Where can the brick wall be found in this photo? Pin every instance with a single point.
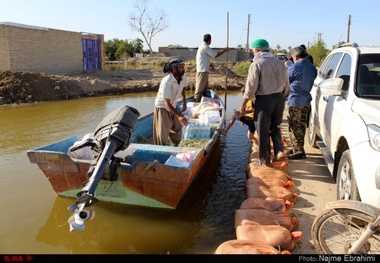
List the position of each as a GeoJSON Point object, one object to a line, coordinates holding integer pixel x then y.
{"type": "Point", "coordinates": [4, 47]}
{"type": "Point", "coordinates": [28, 48]}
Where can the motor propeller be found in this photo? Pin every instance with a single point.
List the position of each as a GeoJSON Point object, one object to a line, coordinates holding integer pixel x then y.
{"type": "Point", "coordinates": [113, 134]}
{"type": "Point", "coordinates": [76, 221]}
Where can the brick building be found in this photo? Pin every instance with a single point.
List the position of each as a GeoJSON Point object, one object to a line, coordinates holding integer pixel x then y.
{"type": "Point", "coordinates": [40, 49]}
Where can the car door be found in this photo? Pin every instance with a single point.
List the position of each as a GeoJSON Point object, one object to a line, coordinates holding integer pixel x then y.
{"type": "Point", "coordinates": [327, 70]}
{"type": "Point", "coordinates": [336, 107]}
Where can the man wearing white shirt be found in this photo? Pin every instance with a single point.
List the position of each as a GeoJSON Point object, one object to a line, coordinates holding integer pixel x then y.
{"type": "Point", "coordinates": [203, 59]}
{"type": "Point", "coordinates": [167, 119]}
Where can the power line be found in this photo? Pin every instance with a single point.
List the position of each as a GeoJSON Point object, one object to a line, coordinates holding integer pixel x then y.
{"type": "Point", "coordinates": [365, 20]}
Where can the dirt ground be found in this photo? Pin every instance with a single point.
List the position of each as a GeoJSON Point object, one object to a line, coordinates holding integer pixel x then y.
{"type": "Point", "coordinates": [314, 187]}
{"type": "Point", "coordinates": [30, 87]}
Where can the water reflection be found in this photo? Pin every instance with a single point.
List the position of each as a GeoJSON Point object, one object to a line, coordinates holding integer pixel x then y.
{"type": "Point", "coordinates": [116, 230]}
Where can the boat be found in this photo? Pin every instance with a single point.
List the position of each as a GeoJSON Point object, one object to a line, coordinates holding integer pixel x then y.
{"type": "Point", "coordinates": [119, 163]}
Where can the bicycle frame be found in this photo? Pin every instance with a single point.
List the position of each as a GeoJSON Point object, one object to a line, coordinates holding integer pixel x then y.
{"type": "Point", "coordinates": [364, 236]}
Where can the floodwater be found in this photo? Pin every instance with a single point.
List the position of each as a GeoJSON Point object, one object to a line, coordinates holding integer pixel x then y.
{"type": "Point", "coordinates": [33, 219]}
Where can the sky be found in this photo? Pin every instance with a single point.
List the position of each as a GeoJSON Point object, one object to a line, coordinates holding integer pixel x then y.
{"type": "Point", "coordinates": [230, 22]}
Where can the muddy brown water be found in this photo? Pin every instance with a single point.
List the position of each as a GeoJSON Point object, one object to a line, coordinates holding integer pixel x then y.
{"type": "Point", "coordinates": [34, 220]}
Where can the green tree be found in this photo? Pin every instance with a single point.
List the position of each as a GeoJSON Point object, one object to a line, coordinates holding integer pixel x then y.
{"type": "Point", "coordinates": [123, 49]}
{"type": "Point", "coordinates": [137, 46]}
{"type": "Point", "coordinates": [319, 52]}
{"type": "Point", "coordinates": [116, 48]}
{"type": "Point", "coordinates": [147, 24]}
{"type": "Point", "coordinates": [110, 47]}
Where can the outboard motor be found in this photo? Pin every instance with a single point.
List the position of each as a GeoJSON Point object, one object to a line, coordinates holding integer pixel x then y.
{"type": "Point", "coordinates": [113, 134]}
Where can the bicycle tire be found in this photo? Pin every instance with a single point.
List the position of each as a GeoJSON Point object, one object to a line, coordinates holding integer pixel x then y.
{"type": "Point", "coordinates": [336, 228]}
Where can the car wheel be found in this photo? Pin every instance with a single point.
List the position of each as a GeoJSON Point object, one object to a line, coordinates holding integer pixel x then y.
{"type": "Point", "coordinates": [311, 134]}
{"type": "Point", "coordinates": [347, 188]}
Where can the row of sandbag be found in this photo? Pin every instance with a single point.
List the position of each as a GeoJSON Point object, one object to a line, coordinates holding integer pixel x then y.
{"type": "Point", "coordinates": [264, 223]}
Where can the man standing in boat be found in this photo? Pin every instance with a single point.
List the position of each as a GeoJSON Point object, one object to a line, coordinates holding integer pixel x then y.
{"type": "Point", "coordinates": [167, 119]}
{"type": "Point", "coordinates": [203, 59]}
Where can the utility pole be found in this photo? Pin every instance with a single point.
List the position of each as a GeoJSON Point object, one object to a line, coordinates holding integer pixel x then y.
{"type": "Point", "coordinates": [348, 28]}
{"type": "Point", "coordinates": [319, 38]}
{"type": "Point", "coordinates": [247, 45]}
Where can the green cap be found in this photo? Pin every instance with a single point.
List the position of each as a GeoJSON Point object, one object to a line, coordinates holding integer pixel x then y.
{"type": "Point", "coordinates": [260, 43]}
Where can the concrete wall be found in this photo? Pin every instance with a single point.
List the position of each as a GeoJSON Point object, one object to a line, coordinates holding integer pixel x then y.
{"type": "Point", "coordinates": [234, 55]}
{"type": "Point", "coordinates": [30, 48]}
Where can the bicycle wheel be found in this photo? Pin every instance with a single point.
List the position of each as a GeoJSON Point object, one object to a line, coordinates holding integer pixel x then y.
{"type": "Point", "coordinates": [334, 230]}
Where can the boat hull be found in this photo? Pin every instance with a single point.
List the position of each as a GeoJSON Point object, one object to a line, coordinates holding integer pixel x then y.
{"type": "Point", "coordinates": [143, 178]}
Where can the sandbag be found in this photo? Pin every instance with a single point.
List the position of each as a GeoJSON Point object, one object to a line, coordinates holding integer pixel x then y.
{"type": "Point", "coordinates": [264, 217]}
{"type": "Point", "coordinates": [273, 173]}
{"type": "Point", "coordinates": [252, 165]}
{"type": "Point", "coordinates": [274, 235]}
{"type": "Point", "coordinates": [269, 181]}
{"type": "Point", "coordinates": [247, 247]}
{"type": "Point", "coordinates": [257, 190]}
{"type": "Point", "coordinates": [275, 205]}
{"type": "Point", "coordinates": [280, 165]}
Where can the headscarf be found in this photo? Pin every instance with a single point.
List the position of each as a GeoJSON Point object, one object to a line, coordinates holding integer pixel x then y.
{"type": "Point", "coordinates": [175, 62]}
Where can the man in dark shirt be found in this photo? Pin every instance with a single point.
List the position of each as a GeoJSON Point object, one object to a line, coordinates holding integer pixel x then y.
{"type": "Point", "coordinates": [301, 78]}
{"type": "Point", "coordinates": [308, 56]}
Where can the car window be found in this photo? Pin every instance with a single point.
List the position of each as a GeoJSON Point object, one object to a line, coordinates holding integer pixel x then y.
{"type": "Point", "coordinates": [329, 65]}
{"type": "Point", "coordinates": [330, 69]}
{"type": "Point", "coordinates": [368, 80]}
{"type": "Point", "coordinates": [322, 69]}
{"type": "Point", "coordinates": [344, 71]}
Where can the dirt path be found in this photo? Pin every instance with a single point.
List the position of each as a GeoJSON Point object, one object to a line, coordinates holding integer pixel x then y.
{"type": "Point", "coordinates": [314, 186]}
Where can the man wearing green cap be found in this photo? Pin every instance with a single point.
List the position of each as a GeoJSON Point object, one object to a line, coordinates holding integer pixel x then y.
{"type": "Point", "coordinates": [268, 82]}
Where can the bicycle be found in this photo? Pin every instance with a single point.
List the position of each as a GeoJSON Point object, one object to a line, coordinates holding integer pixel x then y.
{"type": "Point", "coordinates": [347, 227]}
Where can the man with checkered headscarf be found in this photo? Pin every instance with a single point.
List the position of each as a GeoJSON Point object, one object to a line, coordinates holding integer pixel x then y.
{"type": "Point", "coordinates": [167, 119]}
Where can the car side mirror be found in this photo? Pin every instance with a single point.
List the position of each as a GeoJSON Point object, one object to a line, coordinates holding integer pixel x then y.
{"type": "Point", "coordinates": [331, 87]}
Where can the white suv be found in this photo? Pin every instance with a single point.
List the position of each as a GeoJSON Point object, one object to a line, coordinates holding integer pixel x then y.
{"type": "Point", "coordinates": [344, 120]}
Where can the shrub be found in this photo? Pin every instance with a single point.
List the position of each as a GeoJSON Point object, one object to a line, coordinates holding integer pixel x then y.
{"type": "Point", "coordinates": [241, 68]}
